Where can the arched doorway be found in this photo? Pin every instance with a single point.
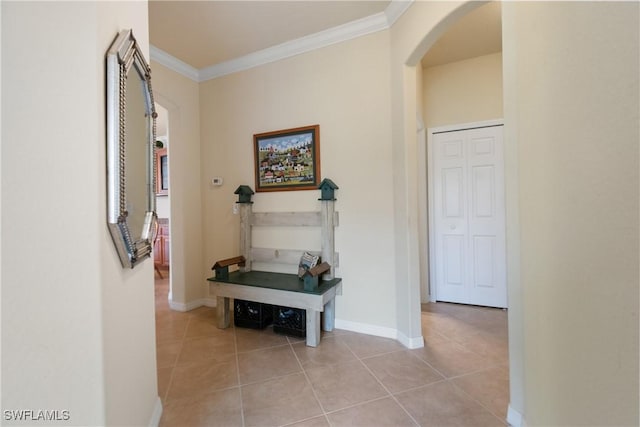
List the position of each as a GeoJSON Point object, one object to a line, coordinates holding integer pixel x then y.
{"type": "Point", "coordinates": [460, 87]}
{"type": "Point", "coordinates": [436, 20]}
{"type": "Point", "coordinates": [162, 247]}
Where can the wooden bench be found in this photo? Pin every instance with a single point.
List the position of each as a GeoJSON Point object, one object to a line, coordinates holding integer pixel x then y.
{"type": "Point", "coordinates": [278, 289]}
{"type": "Point", "coordinates": [315, 292]}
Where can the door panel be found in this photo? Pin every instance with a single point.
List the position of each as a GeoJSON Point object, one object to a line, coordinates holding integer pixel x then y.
{"type": "Point", "coordinates": [454, 260]}
{"type": "Point", "coordinates": [469, 220]}
{"type": "Point", "coordinates": [484, 259]}
{"type": "Point", "coordinates": [483, 191]}
{"type": "Point", "coordinates": [453, 195]}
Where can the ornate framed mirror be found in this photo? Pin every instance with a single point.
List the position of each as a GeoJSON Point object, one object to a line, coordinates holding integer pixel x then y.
{"type": "Point", "coordinates": [131, 119]}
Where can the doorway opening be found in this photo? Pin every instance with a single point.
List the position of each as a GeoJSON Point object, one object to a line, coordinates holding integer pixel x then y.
{"type": "Point", "coordinates": [459, 81]}
{"type": "Point", "coordinates": [162, 243]}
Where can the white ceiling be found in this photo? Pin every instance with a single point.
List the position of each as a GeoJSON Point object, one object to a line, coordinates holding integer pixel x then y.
{"type": "Point", "coordinates": [206, 34]}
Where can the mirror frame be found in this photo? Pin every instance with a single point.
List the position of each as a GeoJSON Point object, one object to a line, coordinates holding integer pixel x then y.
{"type": "Point", "coordinates": [124, 57]}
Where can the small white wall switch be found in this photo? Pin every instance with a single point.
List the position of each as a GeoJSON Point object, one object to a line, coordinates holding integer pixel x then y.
{"type": "Point", "coordinates": [216, 181]}
{"type": "Point", "coordinates": [235, 209]}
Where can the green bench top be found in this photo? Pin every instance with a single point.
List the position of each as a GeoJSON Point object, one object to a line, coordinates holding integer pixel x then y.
{"type": "Point", "coordinates": [280, 281]}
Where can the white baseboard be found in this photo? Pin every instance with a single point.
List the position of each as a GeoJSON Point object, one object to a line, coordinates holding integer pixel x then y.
{"type": "Point", "coordinates": [410, 343]}
{"type": "Point", "coordinates": [191, 305]}
{"type": "Point", "coordinates": [157, 413]}
{"type": "Point", "coordinates": [182, 306]}
{"type": "Point", "coordinates": [380, 331]}
{"type": "Point", "coordinates": [365, 328]}
{"type": "Point", "coordinates": [515, 418]}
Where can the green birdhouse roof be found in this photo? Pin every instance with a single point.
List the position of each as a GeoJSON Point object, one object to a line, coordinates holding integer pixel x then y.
{"type": "Point", "coordinates": [327, 184]}
{"type": "Point", "coordinates": [244, 190]}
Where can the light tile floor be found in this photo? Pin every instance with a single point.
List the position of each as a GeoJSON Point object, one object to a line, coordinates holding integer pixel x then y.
{"type": "Point", "coordinates": [243, 377]}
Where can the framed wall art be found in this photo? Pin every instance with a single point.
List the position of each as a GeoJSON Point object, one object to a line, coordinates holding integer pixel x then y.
{"type": "Point", "coordinates": [162, 179]}
{"type": "Point", "coordinates": [287, 159]}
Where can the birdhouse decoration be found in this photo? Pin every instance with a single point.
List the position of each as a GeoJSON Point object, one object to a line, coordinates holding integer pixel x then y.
{"type": "Point", "coordinates": [244, 193]}
{"type": "Point", "coordinates": [327, 188]}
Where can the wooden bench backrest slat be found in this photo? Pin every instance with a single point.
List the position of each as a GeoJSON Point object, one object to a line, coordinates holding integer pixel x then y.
{"type": "Point", "coordinates": [284, 256]}
{"type": "Point", "coordinates": [289, 219]}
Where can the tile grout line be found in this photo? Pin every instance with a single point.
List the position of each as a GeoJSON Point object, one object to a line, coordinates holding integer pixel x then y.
{"type": "Point", "coordinates": [256, 350]}
{"type": "Point", "coordinates": [381, 384]}
{"type": "Point", "coordinates": [478, 402]}
{"type": "Point", "coordinates": [486, 368]}
{"type": "Point", "coordinates": [235, 346]}
{"type": "Point", "coordinates": [493, 364]}
{"type": "Point", "coordinates": [395, 399]}
{"type": "Point", "coordinates": [313, 390]}
{"type": "Point", "coordinates": [358, 404]}
{"type": "Point", "coordinates": [477, 371]}
{"type": "Point", "coordinates": [450, 379]}
{"type": "Point", "coordinates": [432, 367]}
{"type": "Point", "coordinates": [457, 339]}
{"type": "Point", "coordinates": [175, 364]}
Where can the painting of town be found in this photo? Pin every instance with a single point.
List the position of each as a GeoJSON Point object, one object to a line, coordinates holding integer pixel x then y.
{"type": "Point", "coordinates": [288, 159]}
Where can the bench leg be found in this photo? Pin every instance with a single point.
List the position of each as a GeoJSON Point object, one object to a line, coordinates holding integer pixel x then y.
{"type": "Point", "coordinates": [222, 311]}
{"type": "Point", "coordinates": [329, 318]}
{"type": "Point", "coordinates": [313, 328]}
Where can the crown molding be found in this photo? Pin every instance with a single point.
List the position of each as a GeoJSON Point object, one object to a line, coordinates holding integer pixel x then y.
{"type": "Point", "coordinates": [395, 10]}
{"type": "Point", "coordinates": [173, 63]}
{"type": "Point", "coordinates": [351, 30]}
{"type": "Point", "coordinates": [295, 47]}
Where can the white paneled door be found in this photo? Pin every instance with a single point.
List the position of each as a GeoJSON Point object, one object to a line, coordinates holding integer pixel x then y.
{"type": "Point", "coordinates": [468, 252]}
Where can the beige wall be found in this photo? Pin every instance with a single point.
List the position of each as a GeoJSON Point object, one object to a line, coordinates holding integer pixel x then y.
{"type": "Point", "coordinates": [575, 100]}
{"type": "Point", "coordinates": [463, 92]}
{"type": "Point", "coordinates": [51, 298]}
{"type": "Point", "coordinates": [77, 329]}
{"type": "Point", "coordinates": [512, 208]}
{"type": "Point", "coordinates": [180, 96]}
{"type": "Point", "coordinates": [344, 88]}
{"type": "Point", "coordinates": [128, 304]}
